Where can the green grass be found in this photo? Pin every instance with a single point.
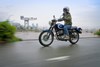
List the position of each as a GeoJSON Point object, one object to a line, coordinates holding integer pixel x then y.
{"type": "Point", "coordinates": [13, 39]}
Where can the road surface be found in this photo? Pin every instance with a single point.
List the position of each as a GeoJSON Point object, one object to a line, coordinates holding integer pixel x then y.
{"type": "Point", "coordinates": [86, 53]}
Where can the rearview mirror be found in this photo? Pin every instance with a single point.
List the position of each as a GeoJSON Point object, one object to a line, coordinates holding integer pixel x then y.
{"type": "Point", "coordinates": [54, 16]}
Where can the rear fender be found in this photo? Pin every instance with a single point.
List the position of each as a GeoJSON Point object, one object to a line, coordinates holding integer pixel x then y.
{"type": "Point", "coordinates": [79, 30]}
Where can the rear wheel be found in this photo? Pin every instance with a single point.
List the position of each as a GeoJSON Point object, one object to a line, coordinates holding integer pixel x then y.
{"type": "Point", "coordinates": [74, 37]}
{"type": "Point", "coordinates": [46, 38]}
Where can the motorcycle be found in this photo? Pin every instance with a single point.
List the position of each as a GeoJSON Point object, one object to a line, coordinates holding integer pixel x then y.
{"type": "Point", "coordinates": [56, 30]}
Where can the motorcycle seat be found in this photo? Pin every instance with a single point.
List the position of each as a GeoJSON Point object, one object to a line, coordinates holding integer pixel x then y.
{"type": "Point", "coordinates": [73, 27]}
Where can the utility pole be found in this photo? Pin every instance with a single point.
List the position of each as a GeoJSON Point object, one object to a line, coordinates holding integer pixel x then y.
{"type": "Point", "coordinates": [26, 21]}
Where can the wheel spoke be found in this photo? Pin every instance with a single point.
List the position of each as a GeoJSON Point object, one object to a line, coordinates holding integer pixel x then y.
{"type": "Point", "coordinates": [74, 38]}
{"type": "Point", "coordinates": [46, 38]}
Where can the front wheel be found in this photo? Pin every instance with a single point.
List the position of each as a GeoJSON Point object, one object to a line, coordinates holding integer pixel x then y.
{"type": "Point", "coordinates": [74, 37]}
{"type": "Point", "coordinates": [46, 38]}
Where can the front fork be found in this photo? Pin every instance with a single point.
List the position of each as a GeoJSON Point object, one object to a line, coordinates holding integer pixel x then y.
{"type": "Point", "coordinates": [49, 32]}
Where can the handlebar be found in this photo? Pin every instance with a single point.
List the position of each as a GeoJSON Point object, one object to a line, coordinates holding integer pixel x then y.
{"type": "Point", "coordinates": [55, 20]}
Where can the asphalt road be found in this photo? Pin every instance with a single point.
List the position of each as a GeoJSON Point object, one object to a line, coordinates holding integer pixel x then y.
{"type": "Point", "coordinates": [86, 53]}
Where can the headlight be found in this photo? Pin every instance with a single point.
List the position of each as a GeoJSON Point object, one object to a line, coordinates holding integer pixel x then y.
{"type": "Point", "coordinates": [50, 22]}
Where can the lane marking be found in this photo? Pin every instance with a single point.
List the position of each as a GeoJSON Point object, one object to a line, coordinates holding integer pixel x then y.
{"type": "Point", "coordinates": [59, 58]}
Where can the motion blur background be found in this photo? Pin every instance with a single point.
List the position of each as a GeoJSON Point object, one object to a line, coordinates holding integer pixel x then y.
{"type": "Point", "coordinates": [85, 13]}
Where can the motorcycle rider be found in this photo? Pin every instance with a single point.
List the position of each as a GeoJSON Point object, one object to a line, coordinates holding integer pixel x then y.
{"type": "Point", "coordinates": [67, 21]}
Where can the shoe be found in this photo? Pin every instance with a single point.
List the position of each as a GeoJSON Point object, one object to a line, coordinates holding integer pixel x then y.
{"type": "Point", "coordinates": [66, 37]}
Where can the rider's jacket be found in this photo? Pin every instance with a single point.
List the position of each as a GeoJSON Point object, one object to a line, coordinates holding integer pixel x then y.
{"type": "Point", "coordinates": [67, 18]}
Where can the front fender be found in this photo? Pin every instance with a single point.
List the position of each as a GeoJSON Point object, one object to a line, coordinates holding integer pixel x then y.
{"type": "Point", "coordinates": [50, 31]}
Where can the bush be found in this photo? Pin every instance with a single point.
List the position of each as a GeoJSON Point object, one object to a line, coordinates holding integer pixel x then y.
{"type": "Point", "coordinates": [7, 32]}
{"type": "Point", "coordinates": [97, 33]}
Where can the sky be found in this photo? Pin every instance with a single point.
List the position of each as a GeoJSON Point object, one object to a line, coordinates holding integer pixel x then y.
{"type": "Point", "coordinates": [85, 13]}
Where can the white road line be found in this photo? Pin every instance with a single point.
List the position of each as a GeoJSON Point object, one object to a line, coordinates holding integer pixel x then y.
{"type": "Point", "coordinates": [58, 58]}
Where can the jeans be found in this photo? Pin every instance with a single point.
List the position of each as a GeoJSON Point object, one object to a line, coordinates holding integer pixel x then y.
{"type": "Point", "coordinates": [66, 27]}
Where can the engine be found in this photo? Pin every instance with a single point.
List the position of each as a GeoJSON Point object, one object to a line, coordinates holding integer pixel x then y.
{"type": "Point", "coordinates": [60, 32]}
{"type": "Point", "coordinates": [59, 29]}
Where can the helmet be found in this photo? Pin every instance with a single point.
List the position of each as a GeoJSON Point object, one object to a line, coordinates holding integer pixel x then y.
{"type": "Point", "coordinates": [66, 9]}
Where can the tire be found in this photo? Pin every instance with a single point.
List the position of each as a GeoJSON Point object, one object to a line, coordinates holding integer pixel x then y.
{"type": "Point", "coordinates": [46, 38]}
{"type": "Point", "coordinates": [73, 36]}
